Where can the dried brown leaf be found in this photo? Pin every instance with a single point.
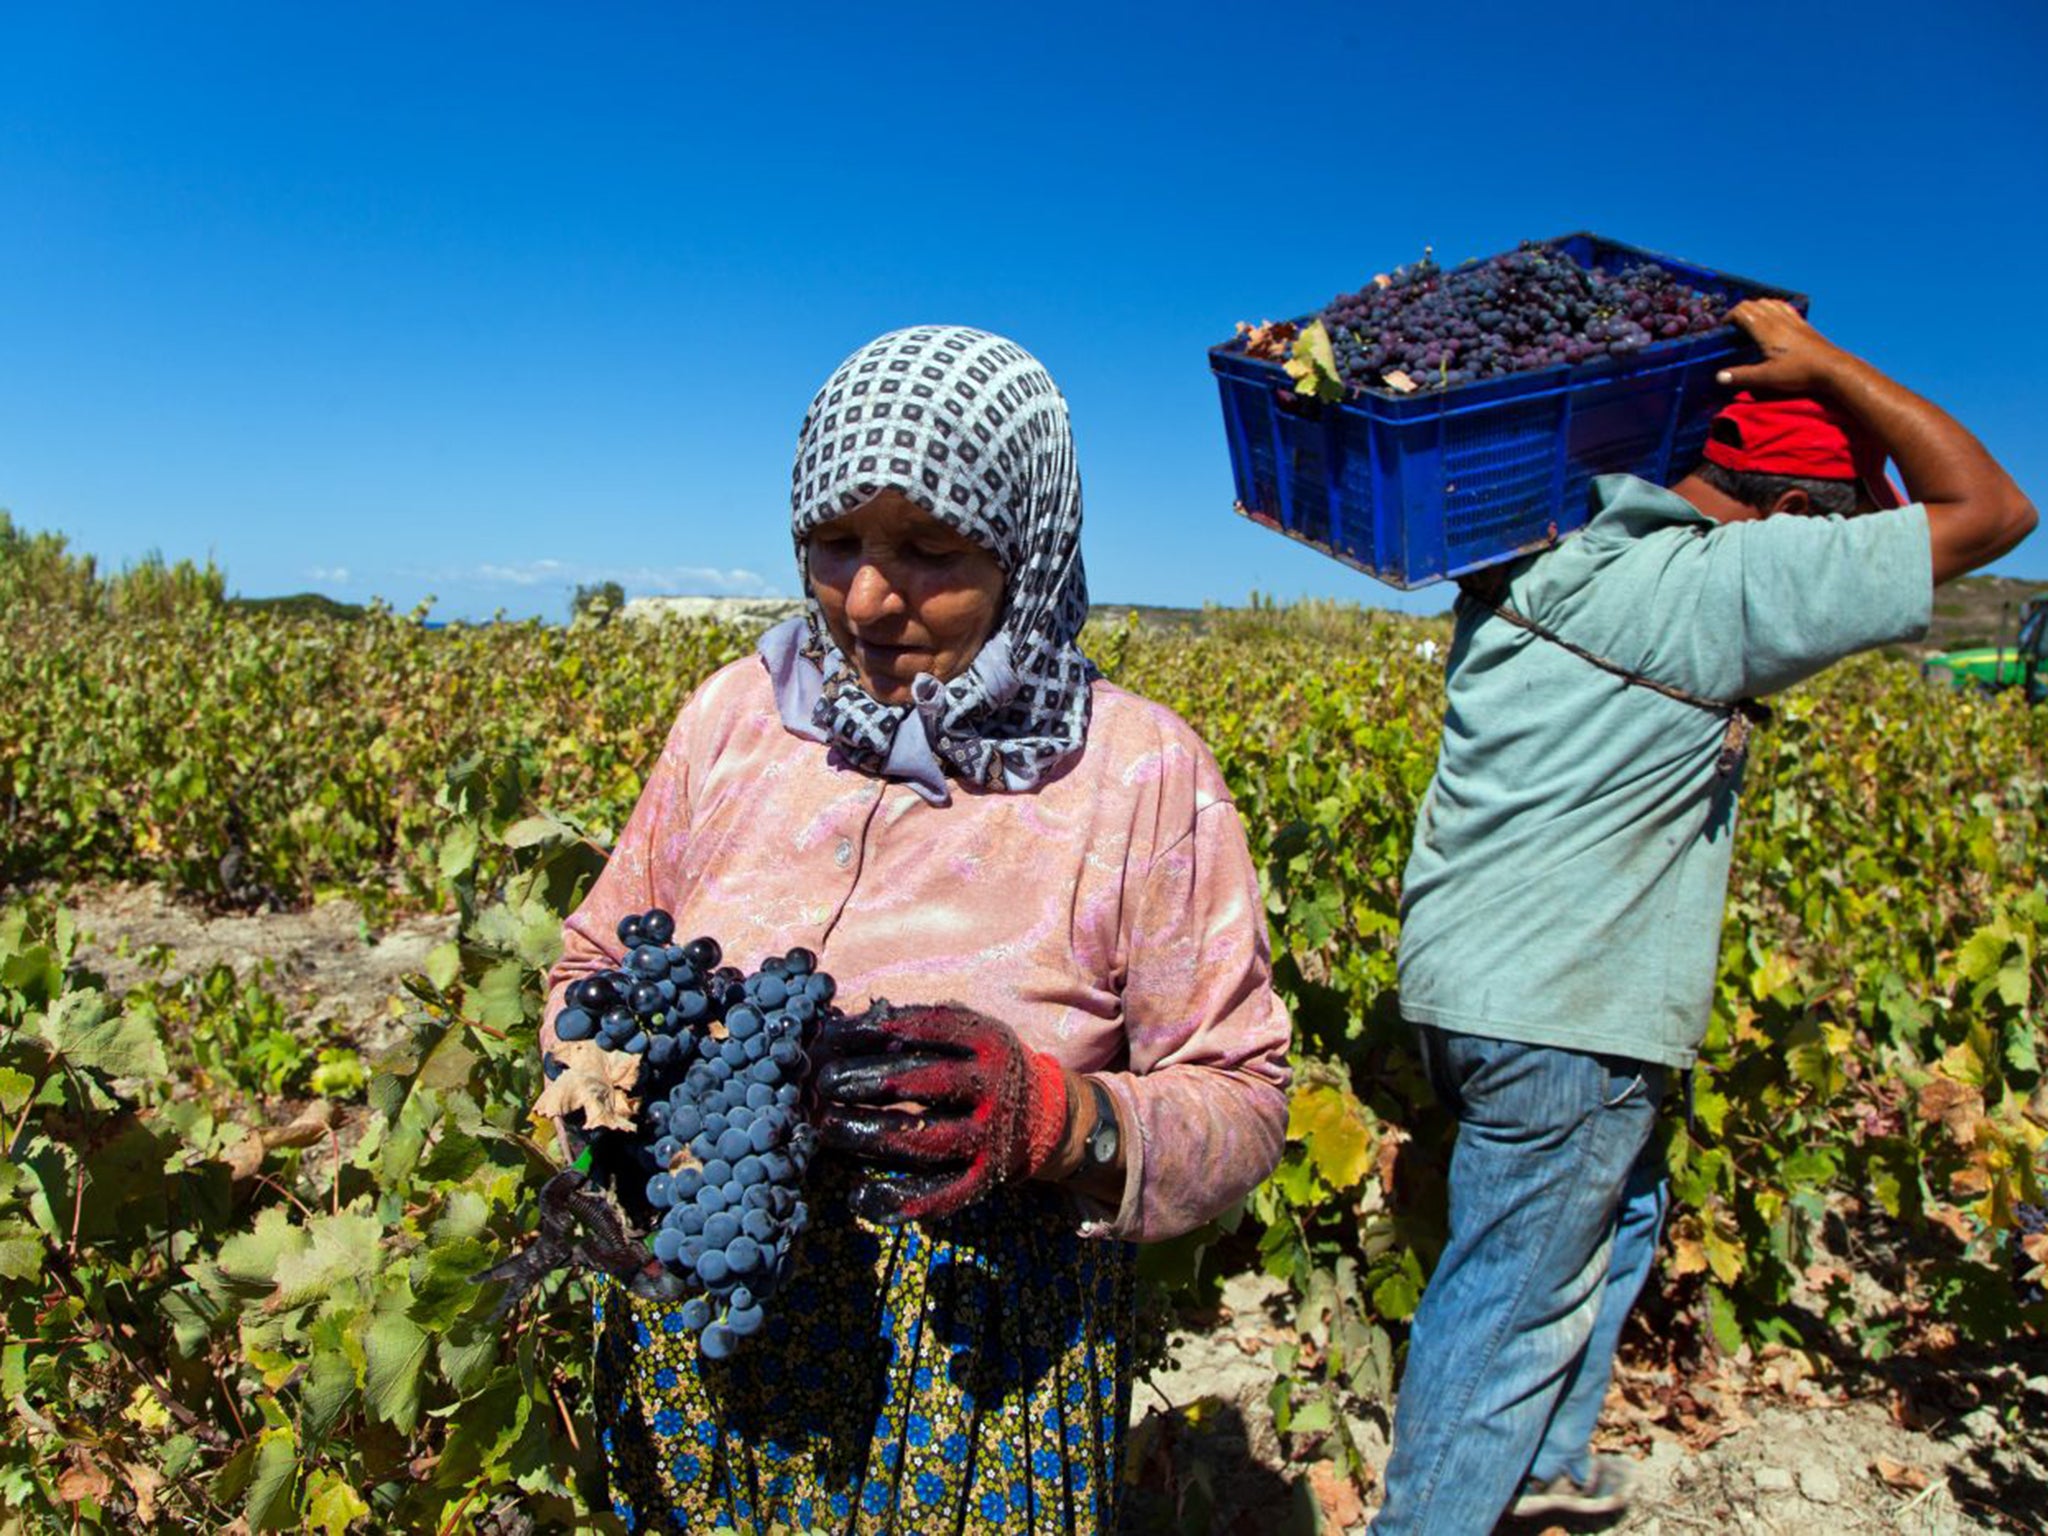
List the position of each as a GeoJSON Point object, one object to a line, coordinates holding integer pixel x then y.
{"type": "Point", "coordinates": [596, 1081]}
{"type": "Point", "coordinates": [1899, 1477]}
{"type": "Point", "coordinates": [1336, 1495]}
{"type": "Point", "coordinates": [1958, 1106]}
{"type": "Point", "coordinates": [313, 1123]}
{"type": "Point", "coordinates": [84, 1478]}
{"type": "Point", "coordinates": [143, 1482]}
{"type": "Point", "coordinates": [1270, 339]}
{"type": "Point", "coordinates": [1952, 1221]}
{"type": "Point", "coordinates": [1387, 1160]}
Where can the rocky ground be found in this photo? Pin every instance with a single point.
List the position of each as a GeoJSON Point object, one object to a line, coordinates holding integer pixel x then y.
{"type": "Point", "coordinates": [1767, 1446]}
{"type": "Point", "coordinates": [1788, 1443]}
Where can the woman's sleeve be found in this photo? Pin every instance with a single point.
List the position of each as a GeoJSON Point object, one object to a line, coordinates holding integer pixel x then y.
{"type": "Point", "coordinates": [1204, 1105]}
{"type": "Point", "coordinates": [631, 880]}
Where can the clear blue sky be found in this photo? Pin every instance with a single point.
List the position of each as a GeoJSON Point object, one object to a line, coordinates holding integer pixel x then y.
{"type": "Point", "coordinates": [485, 300]}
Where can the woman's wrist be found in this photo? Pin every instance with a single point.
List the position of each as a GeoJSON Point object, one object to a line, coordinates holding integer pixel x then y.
{"type": "Point", "coordinates": [1065, 1160]}
{"type": "Point", "coordinates": [1070, 1164]}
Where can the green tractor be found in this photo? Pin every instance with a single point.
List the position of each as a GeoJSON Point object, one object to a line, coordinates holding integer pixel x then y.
{"type": "Point", "coordinates": [2023, 664]}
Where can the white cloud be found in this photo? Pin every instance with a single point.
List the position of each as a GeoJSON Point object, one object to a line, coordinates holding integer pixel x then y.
{"type": "Point", "coordinates": [531, 574]}
{"type": "Point", "coordinates": [336, 574]}
{"type": "Point", "coordinates": [640, 580]}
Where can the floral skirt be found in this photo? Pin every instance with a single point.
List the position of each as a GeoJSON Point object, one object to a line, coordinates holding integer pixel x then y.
{"type": "Point", "coordinates": [971, 1375]}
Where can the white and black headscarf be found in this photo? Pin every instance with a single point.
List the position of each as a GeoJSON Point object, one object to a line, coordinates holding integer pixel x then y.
{"type": "Point", "coordinates": [970, 427]}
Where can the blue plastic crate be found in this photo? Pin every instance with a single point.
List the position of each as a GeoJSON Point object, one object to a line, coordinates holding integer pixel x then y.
{"type": "Point", "coordinates": [1416, 488]}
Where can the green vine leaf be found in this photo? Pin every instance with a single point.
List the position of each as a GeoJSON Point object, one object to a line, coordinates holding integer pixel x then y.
{"type": "Point", "coordinates": [394, 1350]}
{"type": "Point", "coordinates": [80, 1030]}
{"type": "Point", "coordinates": [271, 1506]}
{"type": "Point", "coordinates": [337, 1254]}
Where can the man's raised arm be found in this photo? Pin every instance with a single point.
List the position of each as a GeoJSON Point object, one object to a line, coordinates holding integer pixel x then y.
{"type": "Point", "coordinates": [1975, 511]}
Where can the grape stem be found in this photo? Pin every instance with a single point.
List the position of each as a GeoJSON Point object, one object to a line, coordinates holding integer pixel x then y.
{"type": "Point", "coordinates": [562, 1408]}
{"type": "Point", "coordinates": [467, 1499]}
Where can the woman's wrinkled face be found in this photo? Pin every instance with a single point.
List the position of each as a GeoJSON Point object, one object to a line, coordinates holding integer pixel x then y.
{"type": "Point", "coordinates": [902, 593]}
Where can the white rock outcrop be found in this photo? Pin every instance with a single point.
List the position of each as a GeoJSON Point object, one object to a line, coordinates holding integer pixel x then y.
{"type": "Point", "coordinates": [746, 612]}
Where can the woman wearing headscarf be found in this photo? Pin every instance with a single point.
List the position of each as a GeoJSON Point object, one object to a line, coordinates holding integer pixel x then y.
{"type": "Point", "coordinates": [925, 782]}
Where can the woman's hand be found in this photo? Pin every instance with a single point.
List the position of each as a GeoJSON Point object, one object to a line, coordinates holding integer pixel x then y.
{"type": "Point", "coordinates": [948, 1096]}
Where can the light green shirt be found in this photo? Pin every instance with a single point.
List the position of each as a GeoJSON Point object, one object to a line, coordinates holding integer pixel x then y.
{"type": "Point", "coordinates": [1571, 854]}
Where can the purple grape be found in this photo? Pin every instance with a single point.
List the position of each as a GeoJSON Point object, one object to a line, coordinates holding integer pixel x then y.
{"type": "Point", "coordinates": [745, 1322]}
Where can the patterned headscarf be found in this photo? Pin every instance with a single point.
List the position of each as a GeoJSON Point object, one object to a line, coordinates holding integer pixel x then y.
{"type": "Point", "coordinates": [971, 428]}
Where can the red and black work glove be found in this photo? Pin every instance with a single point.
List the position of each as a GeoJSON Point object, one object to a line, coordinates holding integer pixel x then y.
{"type": "Point", "coordinates": [947, 1099]}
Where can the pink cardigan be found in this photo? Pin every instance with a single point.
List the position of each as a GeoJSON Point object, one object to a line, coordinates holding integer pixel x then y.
{"type": "Point", "coordinates": [1111, 916]}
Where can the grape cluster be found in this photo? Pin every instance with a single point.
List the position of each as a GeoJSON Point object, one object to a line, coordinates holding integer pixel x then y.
{"type": "Point", "coordinates": [2028, 1221]}
{"type": "Point", "coordinates": [716, 1167]}
{"type": "Point", "coordinates": [1524, 309]}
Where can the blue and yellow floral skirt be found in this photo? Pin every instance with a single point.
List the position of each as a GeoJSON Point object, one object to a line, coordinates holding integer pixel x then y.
{"type": "Point", "coordinates": [971, 1375]}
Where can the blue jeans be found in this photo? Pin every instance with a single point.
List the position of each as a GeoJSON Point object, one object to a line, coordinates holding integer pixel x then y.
{"type": "Point", "coordinates": [1556, 1204]}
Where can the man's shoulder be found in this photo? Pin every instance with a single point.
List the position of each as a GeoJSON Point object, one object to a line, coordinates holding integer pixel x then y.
{"type": "Point", "coordinates": [1634, 524]}
{"type": "Point", "coordinates": [1630, 506]}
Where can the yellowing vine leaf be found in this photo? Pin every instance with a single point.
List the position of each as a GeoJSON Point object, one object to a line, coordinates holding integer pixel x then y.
{"type": "Point", "coordinates": [1313, 367]}
{"type": "Point", "coordinates": [1688, 1254]}
{"type": "Point", "coordinates": [1981, 954]}
{"type": "Point", "coordinates": [1774, 974]}
{"type": "Point", "coordinates": [1333, 1124]}
{"type": "Point", "coordinates": [597, 1081]}
{"type": "Point", "coordinates": [1722, 1245]}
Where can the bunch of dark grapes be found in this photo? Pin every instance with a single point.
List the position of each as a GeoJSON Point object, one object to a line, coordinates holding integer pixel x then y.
{"type": "Point", "coordinates": [715, 1168]}
{"type": "Point", "coordinates": [1522, 310]}
{"type": "Point", "coordinates": [2028, 1221]}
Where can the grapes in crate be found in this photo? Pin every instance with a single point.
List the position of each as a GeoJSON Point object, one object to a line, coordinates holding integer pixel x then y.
{"type": "Point", "coordinates": [1421, 327]}
{"type": "Point", "coordinates": [687, 1075]}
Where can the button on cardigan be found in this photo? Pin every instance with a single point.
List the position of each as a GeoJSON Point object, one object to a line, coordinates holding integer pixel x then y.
{"type": "Point", "coordinates": [1111, 916]}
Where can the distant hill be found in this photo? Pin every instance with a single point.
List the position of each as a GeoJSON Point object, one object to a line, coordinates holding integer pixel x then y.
{"type": "Point", "coordinates": [760, 612]}
{"type": "Point", "coordinates": [300, 605]}
{"type": "Point", "coordinates": [1977, 610]}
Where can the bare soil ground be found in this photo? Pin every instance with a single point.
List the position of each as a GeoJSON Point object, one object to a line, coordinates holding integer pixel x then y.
{"type": "Point", "coordinates": [1783, 1445]}
{"type": "Point", "coordinates": [340, 975]}
{"type": "Point", "coordinates": [1778, 1446]}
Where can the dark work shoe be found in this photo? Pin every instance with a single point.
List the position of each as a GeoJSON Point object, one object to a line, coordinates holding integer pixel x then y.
{"type": "Point", "coordinates": [1604, 1493]}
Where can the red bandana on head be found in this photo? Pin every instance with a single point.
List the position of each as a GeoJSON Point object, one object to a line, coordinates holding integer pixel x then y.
{"type": "Point", "coordinates": [1793, 435]}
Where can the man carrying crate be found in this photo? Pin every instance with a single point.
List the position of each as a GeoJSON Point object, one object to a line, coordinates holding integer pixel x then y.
{"type": "Point", "coordinates": [1561, 913]}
